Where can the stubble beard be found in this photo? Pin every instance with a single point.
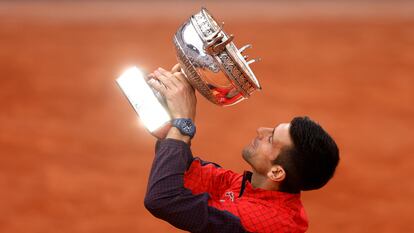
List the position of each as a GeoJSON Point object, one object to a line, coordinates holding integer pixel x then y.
{"type": "Point", "coordinates": [247, 153]}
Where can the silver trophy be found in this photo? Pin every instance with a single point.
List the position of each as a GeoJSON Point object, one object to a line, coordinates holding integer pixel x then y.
{"type": "Point", "coordinates": [210, 61]}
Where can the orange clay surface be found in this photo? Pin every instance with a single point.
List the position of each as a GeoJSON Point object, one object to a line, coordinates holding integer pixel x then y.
{"type": "Point", "coordinates": [74, 158]}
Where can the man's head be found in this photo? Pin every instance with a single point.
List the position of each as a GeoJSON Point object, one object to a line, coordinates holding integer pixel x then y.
{"type": "Point", "coordinates": [298, 155]}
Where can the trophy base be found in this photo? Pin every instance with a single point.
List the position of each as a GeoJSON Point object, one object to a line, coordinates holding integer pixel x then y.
{"type": "Point", "coordinates": [149, 105]}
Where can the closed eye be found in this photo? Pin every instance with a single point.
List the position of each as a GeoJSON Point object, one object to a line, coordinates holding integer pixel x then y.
{"type": "Point", "coordinates": [271, 136]}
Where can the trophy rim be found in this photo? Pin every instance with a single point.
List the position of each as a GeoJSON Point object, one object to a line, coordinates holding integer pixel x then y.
{"type": "Point", "coordinates": [219, 54]}
{"type": "Point", "coordinates": [232, 50]}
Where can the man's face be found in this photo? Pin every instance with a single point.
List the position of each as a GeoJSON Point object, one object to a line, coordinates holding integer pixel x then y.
{"type": "Point", "coordinates": [266, 146]}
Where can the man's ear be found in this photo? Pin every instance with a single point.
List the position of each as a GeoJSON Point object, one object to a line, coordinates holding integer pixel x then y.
{"type": "Point", "coordinates": [276, 173]}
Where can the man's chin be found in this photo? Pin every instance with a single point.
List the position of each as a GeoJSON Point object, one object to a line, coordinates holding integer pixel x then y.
{"type": "Point", "coordinates": [247, 154]}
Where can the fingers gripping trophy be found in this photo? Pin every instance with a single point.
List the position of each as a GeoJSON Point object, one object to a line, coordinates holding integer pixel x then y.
{"type": "Point", "coordinates": [208, 60]}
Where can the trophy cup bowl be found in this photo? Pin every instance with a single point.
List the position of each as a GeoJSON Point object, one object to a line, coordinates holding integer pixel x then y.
{"type": "Point", "coordinates": [209, 60]}
{"type": "Point", "coordinates": [212, 63]}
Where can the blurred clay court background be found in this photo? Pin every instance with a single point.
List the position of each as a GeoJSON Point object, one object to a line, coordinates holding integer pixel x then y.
{"type": "Point", "coordinates": [74, 157]}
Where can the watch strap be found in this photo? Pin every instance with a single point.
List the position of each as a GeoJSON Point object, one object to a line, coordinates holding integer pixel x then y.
{"type": "Point", "coordinates": [185, 126]}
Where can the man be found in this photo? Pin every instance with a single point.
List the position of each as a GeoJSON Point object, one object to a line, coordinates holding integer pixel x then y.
{"type": "Point", "coordinates": [199, 196]}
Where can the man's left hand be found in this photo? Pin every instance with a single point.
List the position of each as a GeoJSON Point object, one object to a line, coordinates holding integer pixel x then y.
{"type": "Point", "coordinates": [179, 94]}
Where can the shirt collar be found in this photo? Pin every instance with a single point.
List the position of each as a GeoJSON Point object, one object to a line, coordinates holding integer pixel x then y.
{"type": "Point", "coordinates": [247, 189]}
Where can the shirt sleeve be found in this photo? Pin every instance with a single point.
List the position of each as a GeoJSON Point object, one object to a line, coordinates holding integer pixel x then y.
{"type": "Point", "coordinates": [168, 199]}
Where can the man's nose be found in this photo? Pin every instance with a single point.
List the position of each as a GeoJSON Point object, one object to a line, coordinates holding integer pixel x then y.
{"type": "Point", "coordinates": [261, 132]}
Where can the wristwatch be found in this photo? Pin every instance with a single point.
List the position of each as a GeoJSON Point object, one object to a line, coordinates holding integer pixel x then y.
{"type": "Point", "coordinates": [185, 126]}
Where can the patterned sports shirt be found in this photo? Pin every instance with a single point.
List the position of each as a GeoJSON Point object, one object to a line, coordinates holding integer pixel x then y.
{"type": "Point", "coordinates": [199, 196]}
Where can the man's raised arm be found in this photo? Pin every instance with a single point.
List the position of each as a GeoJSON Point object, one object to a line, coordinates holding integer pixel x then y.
{"type": "Point", "coordinates": [166, 196]}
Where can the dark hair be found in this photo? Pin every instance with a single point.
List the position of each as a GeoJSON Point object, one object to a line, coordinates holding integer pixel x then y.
{"type": "Point", "coordinates": [311, 162]}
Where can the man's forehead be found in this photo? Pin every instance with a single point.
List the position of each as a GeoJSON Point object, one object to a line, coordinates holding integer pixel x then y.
{"type": "Point", "coordinates": [282, 126]}
{"type": "Point", "coordinates": [281, 133]}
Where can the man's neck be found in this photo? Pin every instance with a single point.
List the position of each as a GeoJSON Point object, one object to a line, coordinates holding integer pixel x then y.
{"type": "Point", "coordinates": [263, 182]}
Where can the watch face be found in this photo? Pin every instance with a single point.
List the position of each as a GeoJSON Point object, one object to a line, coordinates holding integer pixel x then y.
{"type": "Point", "coordinates": [185, 126]}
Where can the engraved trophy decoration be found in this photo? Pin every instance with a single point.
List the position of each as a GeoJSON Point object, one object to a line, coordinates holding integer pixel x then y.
{"type": "Point", "coordinates": [211, 63]}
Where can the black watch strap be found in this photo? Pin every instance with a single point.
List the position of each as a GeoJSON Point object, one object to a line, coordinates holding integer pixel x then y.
{"type": "Point", "coordinates": [185, 126]}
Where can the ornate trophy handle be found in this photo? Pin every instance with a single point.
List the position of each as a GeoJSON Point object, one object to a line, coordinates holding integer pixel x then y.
{"type": "Point", "coordinates": [211, 63]}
